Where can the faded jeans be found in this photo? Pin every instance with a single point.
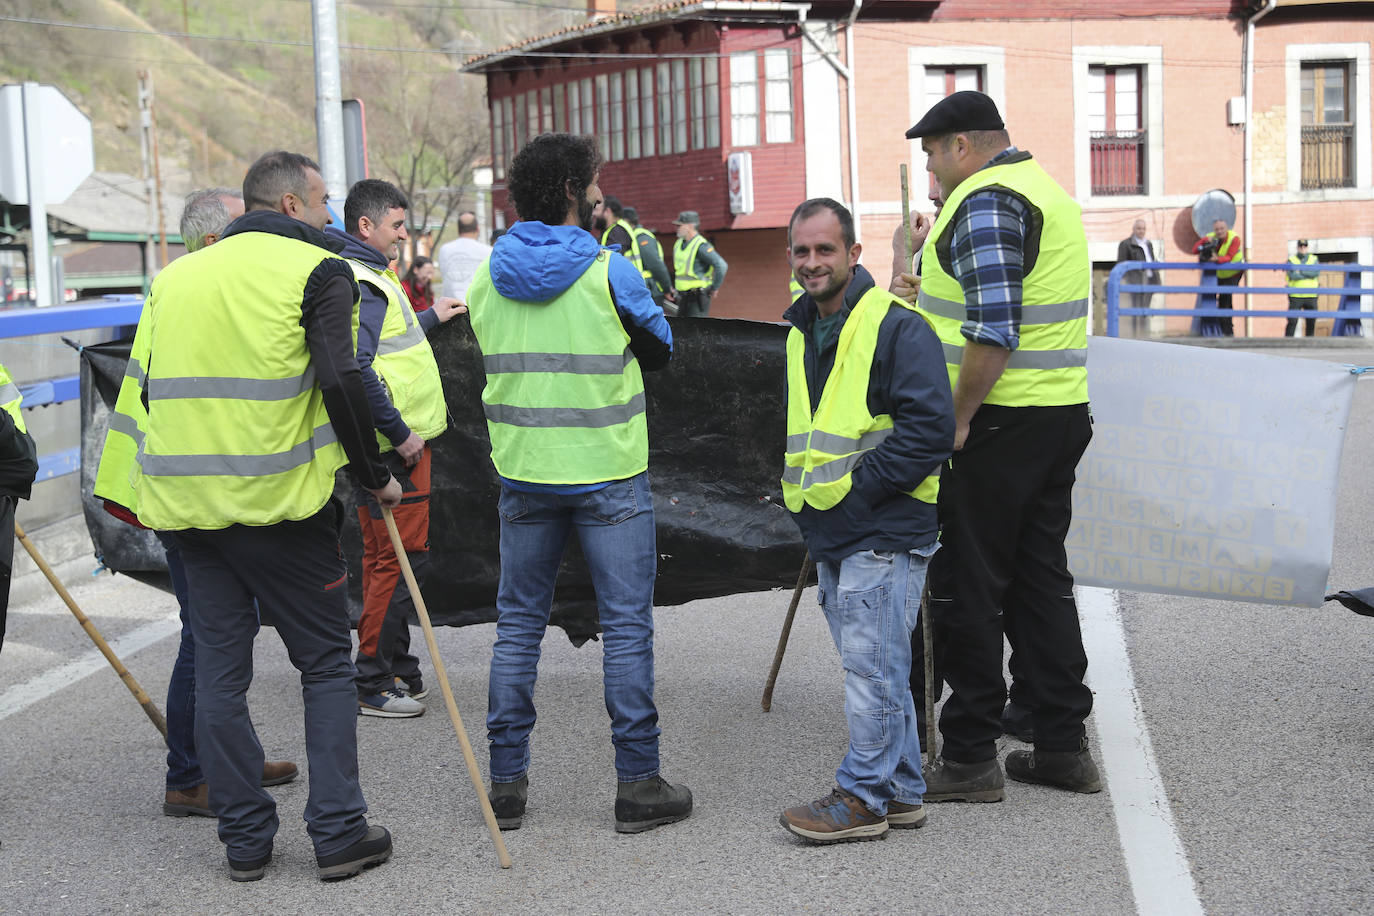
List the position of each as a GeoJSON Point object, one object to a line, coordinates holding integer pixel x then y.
{"type": "Point", "coordinates": [871, 601]}
{"type": "Point", "coordinates": [615, 526]}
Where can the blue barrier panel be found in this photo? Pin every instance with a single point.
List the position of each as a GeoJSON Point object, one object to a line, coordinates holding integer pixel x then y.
{"type": "Point", "coordinates": [1347, 316]}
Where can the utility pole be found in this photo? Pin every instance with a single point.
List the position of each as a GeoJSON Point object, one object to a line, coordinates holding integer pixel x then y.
{"type": "Point", "coordinates": [152, 176]}
{"type": "Point", "coordinates": [329, 98]}
{"type": "Point", "coordinates": [41, 291]}
{"type": "Point", "coordinates": [145, 138]}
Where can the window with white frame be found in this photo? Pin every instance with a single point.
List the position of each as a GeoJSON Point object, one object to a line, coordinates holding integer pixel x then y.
{"type": "Point", "coordinates": [646, 109]}
{"type": "Point", "coordinates": [665, 111]}
{"type": "Point", "coordinates": [698, 102]}
{"type": "Point", "coordinates": [509, 112]}
{"type": "Point", "coordinates": [498, 139]}
{"type": "Point", "coordinates": [744, 100]}
{"type": "Point", "coordinates": [603, 116]}
{"type": "Point", "coordinates": [1116, 126]}
{"type": "Point", "coordinates": [680, 117]}
{"type": "Point", "coordinates": [521, 124]}
{"type": "Point", "coordinates": [1328, 125]}
{"type": "Point", "coordinates": [632, 114]}
{"type": "Point", "coordinates": [1329, 142]}
{"type": "Point", "coordinates": [560, 111]}
{"type": "Point", "coordinates": [712, 93]}
{"type": "Point", "coordinates": [545, 109]}
{"type": "Point", "coordinates": [532, 113]}
{"type": "Point", "coordinates": [589, 125]}
{"type": "Point", "coordinates": [617, 85]}
{"type": "Point", "coordinates": [777, 95]}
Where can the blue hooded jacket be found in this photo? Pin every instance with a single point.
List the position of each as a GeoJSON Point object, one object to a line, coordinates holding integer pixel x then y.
{"type": "Point", "coordinates": [536, 262]}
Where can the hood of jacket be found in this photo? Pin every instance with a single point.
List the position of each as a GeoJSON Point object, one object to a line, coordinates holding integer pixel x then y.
{"type": "Point", "coordinates": [356, 249]}
{"type": "Point", "coordinates": [535, 262]}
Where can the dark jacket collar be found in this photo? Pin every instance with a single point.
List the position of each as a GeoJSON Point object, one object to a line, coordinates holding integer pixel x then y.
{"type": "Point", "coordinates": [274, 223]}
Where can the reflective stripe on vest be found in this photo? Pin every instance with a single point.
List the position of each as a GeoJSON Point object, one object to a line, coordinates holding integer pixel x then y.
{"type": "Point", "coordinates": [564, 398]}
{"type": "Point", "coordinates": [1049, 367]}
{"type": "Point", "coordinates": [823, 450]}
{"type": "Point", "coordinates": [685, 264]}
{"type": "Point", "coordinates": [1305, 283]}
{"type": "Point", "coordinates": [794, 289]}
{"type": "Point", "coordinates": [404, 361]}
{"type": "Point", "coordinates": [226, 441]}
{"type": "Point", "coordinates": [11, 398]}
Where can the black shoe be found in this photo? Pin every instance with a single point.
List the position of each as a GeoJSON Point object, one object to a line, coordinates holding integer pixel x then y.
{"type": "Point", "coordinates": [950, 780]}
{"type": "Point", "coordinates": [1019, 723]}
{"type": "Point", "coordinates": [1071, 770]}
{"type": "Point", "coordinates": [373, 849]}
{"type": "Point", "coordinates": [248, 869]}
{"type": "Point", "coordinates": [650, 803]}
{"type": "Point", "coordinates": [508, 802]}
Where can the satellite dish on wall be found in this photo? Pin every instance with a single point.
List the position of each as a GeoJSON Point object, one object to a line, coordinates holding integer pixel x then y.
{"type": "Point", "coordinates": [1212, 206]}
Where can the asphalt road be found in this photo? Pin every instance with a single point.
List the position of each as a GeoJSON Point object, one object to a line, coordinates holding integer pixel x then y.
{"type": "Point", "coordinates": [1258, 720]}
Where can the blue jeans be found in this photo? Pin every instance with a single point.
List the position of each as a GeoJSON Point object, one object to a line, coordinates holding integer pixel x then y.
{"type": "Point", "coordinates": [183, 767]}
{"type": "Point", "coordinates": [871, 601]}
{"type": "Point", "coordinates": [615, 526]}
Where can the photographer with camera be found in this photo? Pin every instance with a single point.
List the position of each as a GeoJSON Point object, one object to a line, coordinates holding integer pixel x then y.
{"type": "Point", "coordinates": [1222, 246]}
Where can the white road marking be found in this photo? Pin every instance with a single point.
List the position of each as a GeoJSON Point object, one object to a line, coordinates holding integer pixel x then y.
{"type": "Point", "coordinates": [1155, 860]}
{"type": "Point", "coordinates": [22, 696]}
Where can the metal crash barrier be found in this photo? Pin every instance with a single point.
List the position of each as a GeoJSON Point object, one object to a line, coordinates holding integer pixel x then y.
{"type": "Point", "coordinates": [1347, 315]}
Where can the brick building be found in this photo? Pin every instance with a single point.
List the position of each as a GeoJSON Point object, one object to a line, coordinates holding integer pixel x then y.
{"type": "Point", "coordinates": [1137, 111]}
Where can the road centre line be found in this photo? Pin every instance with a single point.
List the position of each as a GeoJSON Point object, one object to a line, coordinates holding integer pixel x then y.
{"type": "Point", "coordinates": [1156, 863]}
{"type": "Point", "coordinates": [22, 696]}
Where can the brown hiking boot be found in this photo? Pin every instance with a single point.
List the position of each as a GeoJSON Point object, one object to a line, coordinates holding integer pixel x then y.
{"type": "Point", "coordinates": [278, 772]}
{"type": "Point", "coordinates": [837, 818]}
{"type": "Point", "coordinates": [194, 802]}
{"type": "Point", "coordinates": [1071, 770]}
{"type": "Point", "coordinates": [950, 780]}
{"type": "Point", "coordinates": [901, 816]}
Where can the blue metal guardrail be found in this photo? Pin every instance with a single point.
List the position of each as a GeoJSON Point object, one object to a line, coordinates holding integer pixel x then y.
{"type": "Point", "coordinates": [1348, 311]}
{"type": "Point", "coordinates": [116, 312]}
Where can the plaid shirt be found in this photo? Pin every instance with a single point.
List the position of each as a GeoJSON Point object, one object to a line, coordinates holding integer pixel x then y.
{"type": "Point", "coordinates": [986, 250]}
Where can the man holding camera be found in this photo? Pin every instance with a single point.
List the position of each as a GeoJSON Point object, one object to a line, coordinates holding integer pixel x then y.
{"type": "Point", "coordinates": [1222, 246]}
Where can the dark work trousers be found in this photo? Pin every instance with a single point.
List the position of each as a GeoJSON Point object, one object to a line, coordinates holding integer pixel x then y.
{"type": "Point", "coordinates": [384, 628]}
{"type": "Point", "coordinates": [1005, 508]}
{"type": "Point", "coordinates": [296, 572]}
{"type": "Point", "coordinates": [1224, 302]}
{"type": "Point", "coordinates": [694, 303]}
{"type": "Point", "coordinates": [1309, 325]}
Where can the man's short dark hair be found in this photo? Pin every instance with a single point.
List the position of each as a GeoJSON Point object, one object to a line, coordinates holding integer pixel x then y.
{"type": "Point", "coordinates": [372, 198]}
{"type": "Point", "coordinates": [809, 208]}
{"type": "Point", "coordinates": [467, 223]}
{"type": "Point", "coordinates": [546, 170]}
{"type": "Point", "coordinates": [613, 204]}
{"type": "Point", "coordinates": [204, 213]}
{"type": "Point", "coordinates": [274, 174]}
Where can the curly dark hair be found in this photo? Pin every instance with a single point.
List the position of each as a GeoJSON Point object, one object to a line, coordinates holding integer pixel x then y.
{"type": "Point", "coordinates": [546, 169]}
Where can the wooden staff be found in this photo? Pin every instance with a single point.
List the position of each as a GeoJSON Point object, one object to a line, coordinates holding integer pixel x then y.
{"type": "Point", "coordinates": [143, 699]}
{"type": "Point", "coordinates": [501, 855]}
{"type": "Point", "coordinates": [786, 632]}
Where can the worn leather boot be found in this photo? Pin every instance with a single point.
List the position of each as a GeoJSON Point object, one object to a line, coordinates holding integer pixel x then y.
{"type": "Point", "coordinates": [194, 802]}
{"type": "Point", "coordinates": [1071, 770]}
{"type": "Point", "coordinates": [650, 803]}
{"type": "Point", "coordinates": [278, 772]}
{"type": "Point", "coordinates": [950, 780]}
{"type": "Point", "coordinates": [508, 802]}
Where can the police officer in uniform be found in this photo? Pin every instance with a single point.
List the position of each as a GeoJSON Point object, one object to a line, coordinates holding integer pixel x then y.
{"type": "Point", "coordinates": [698, 269]}
{"type": "Point", "coordinates": [652, 268]}
{"type": "Point", "coordinates": [254, 400]}
{"type": "Point", "coordinates": [1302, 285]}
{"type": "Point", "coordinates": [1005, 280]}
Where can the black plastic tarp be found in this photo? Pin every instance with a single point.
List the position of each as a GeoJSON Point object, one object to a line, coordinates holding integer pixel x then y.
{"type": "Point", "coordinates": [716, 431]}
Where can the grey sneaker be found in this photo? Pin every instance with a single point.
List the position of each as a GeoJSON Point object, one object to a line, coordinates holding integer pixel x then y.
{"type": "Point", "coordinates": [508, 802]}
{"type": "Point", "coordinates": [416, 691]}
{"type": "Point", "coordinates": [390, 705]}
{"type": "Point", "coordinates": [1071, 770]}
{"type": "Point", "coordinates": [650, 803]}
{"type": "Point", "coordinates": [950, 780]}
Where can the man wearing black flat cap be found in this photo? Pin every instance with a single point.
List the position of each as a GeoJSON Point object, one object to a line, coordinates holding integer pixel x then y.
{"type": "Point", "coordinates": [1005, 279]}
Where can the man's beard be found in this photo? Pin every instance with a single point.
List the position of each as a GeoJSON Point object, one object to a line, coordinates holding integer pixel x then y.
{"type": "Point", "coordinates": [584, 214]}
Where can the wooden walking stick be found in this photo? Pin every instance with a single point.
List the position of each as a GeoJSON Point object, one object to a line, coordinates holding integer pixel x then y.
{"type": "Point", "coordinates": [501, 855]}
{"type": "Point", "coordinates": [929, 662]}
{"type": "Point", "coordinates": [143, 699]}
{"type": "Point", "coordinates": [786, 632]}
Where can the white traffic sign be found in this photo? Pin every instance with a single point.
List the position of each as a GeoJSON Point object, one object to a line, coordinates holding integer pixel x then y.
{"type": "Point", "coordinates": [66, 156]}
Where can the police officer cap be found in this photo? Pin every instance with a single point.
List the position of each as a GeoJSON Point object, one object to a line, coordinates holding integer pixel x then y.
{"type": "Point", "coordinates": [962, 111]}
{"type": "Point", "coordinates": [687, 216]}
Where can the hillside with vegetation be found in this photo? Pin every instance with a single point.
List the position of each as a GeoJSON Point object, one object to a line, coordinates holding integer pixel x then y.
{"type": "Point", "coordinates": [233, 80]}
